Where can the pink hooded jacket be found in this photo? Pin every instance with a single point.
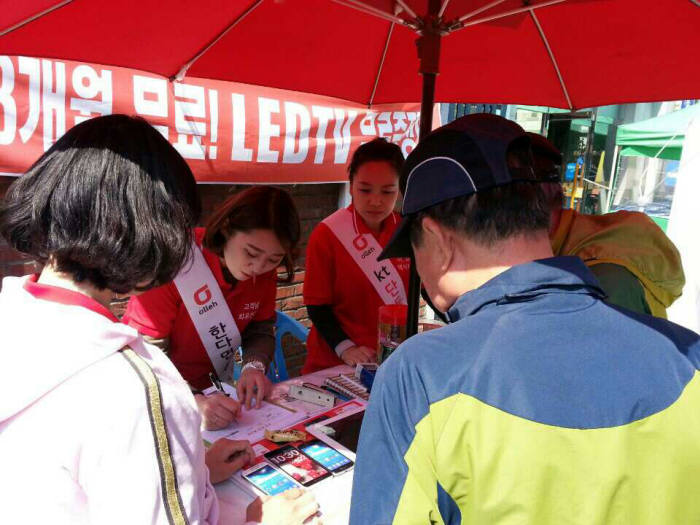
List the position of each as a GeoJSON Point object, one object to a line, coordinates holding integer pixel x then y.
{"type": "Point", "coordinates": [90, 433]}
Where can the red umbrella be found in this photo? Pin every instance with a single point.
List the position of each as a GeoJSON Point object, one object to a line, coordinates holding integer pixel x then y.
{"type": "Point", "coordinates": [562, 53]}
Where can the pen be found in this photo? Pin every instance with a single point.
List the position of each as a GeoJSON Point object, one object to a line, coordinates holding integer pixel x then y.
{"type": "Point", "coordinates": [217, 383]}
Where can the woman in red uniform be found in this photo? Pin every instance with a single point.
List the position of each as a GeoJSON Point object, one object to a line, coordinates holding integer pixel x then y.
{"type": "Point", "coordinates": [225, 299]}
{"type": "Point", "coordinates": [345, 284]}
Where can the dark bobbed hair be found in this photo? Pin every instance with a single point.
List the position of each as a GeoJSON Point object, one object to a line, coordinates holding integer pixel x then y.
{"type": "Point", "coordinates": [496, 214]}
{"type": "Point", "coordinates": [111, 203]}
{"type": "Point", "coordinates": [258, 207]}
{"type": "Point", "coordinates": [378, 149]}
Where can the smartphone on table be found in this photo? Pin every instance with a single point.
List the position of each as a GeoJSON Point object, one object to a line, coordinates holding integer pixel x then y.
{"type": "Point", "coordinates": [326, 456]}
{"type": "Point", "coordinates": [302, 468]}
{"type": "Point", "coordinates": [269, 480]}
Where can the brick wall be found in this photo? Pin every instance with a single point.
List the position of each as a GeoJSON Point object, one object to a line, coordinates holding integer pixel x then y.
{"type": "Point", "coordinates": [314, 202]}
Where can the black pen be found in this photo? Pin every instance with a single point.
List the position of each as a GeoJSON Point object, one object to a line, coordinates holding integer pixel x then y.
{"type": "Point", "coordinates": [217, 383]}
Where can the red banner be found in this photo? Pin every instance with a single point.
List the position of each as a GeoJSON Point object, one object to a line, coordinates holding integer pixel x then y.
{"type": "Point", "coordinates": [227, 132]}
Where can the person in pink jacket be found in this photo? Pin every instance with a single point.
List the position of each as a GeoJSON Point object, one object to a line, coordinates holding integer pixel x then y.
{"type": "Point", "coordinates": [95, 425]}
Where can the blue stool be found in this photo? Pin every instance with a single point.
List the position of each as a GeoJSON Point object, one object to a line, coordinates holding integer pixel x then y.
{"type": "Point", "coordinates": [284, 325]}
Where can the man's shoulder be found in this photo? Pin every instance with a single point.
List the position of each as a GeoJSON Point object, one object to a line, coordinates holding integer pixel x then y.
{"type": "Point", "coordinates": [686, 341]}
{"type": "Point", "coordinates": [432, 353]}
{"type": "Point", "coordinates": [593, 349]}
{"type": "Point", "coordinates": [432, 341]}
{"type": "Point", "coordinates": [632, 331]}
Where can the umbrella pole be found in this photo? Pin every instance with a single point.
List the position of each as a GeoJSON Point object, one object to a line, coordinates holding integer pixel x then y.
{"type": "Point", "coordinates": [428, 45]}
{"type": "Point", "coordinates": [426, 124]}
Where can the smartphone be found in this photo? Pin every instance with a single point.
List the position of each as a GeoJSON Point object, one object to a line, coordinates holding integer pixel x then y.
{"type": "Point", "coordinates": [268, 479]}
{"type": "Point", "coordinates": [326, 456]}
{"type": "Point", "coordinates": [298, 465]}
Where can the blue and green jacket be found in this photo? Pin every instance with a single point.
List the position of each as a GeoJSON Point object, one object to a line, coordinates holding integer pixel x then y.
{"type": "Point", "coordinates": [539, 404]}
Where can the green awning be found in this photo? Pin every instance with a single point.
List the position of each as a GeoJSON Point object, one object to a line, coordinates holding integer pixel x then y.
{"type": "Point", "coordinates": [660, 137]}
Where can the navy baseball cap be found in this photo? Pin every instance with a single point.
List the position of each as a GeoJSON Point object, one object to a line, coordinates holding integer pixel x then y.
{"type": "Point", "coordinates": [463, 157]}
{"type": "Point", "coordinates": [547, 159]}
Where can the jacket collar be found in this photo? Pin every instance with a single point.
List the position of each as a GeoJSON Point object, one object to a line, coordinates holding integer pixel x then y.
{"type": "Point", "coordinates": [65, 296]}
{"type": "Point", "coordinates": [524, 281]}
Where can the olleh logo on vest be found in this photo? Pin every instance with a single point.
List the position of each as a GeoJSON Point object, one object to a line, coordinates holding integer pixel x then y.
{"type": "Point", "coordinates": [361, 243]}
{"type": "Point", "coordinates": [202, 296]}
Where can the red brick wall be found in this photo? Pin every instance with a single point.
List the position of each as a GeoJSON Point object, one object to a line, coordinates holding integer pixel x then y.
{"type": "Point", "coordinates": [314, 202]}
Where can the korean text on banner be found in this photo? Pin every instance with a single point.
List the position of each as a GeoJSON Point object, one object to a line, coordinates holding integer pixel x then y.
{"type": "Point", "coordinates": [227, 132]}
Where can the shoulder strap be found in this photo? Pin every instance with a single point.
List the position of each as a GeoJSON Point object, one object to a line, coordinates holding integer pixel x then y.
{"type": "Point", "coordinates": [210, 314]}
{"type": "Point", "coordinates": [154, 401]}
{"type": "Point", "coordinates": [364, 249]}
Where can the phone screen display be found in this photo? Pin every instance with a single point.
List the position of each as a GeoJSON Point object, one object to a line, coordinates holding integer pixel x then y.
{"type": "Point", "coordinates": [326, 456]}
{"type": "Point", "coordinates": [269, 480]}
{"type": "Point", "coordinates": [298, 465]}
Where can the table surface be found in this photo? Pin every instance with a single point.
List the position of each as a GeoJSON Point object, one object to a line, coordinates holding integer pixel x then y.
{"type": "Point", "coordinates": [333, 494]}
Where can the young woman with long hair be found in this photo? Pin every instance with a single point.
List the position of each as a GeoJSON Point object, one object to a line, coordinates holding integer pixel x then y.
{"type": "Point", "coordinates": [225, 298]}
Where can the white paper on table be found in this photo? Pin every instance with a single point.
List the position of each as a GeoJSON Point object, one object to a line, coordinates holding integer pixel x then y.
{"type": "Point", "coordinates": [251, 424]}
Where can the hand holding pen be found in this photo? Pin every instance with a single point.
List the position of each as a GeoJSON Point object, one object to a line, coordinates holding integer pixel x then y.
{"type": "Point", "coordinates": [218, 410]}
{"type": "Point", "coordinates": [214, 378]}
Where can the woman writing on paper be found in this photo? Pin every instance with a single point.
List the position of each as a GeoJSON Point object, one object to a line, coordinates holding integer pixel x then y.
{"type": "Point", "coordinates": [225, 299]}
{"type": "Point", "coordinates": [96, 426]}
{"type": "Point", "coordinates": [345, 284]}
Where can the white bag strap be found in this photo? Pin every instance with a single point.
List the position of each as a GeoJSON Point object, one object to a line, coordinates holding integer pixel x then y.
{"type": "Point", "coordinates": [364, 250]}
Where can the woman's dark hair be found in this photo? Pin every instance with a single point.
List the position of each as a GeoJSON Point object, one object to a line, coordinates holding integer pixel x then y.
{"type": "Point", "coordinates": [257, 208]}
{"type": "Point", "coordinates": [378, 149]}
{"type": "Point", "coordinates": [111, 203]}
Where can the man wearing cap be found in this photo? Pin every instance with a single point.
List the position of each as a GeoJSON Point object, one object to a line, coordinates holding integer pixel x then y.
{"type": "Point", "coordinates": [637, 265]}
{"type": "Point", "coordinates": [539, 403]}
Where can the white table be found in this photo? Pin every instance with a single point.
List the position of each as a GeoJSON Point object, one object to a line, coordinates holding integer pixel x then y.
{"type": "Point", "coordinates": [332, 494]}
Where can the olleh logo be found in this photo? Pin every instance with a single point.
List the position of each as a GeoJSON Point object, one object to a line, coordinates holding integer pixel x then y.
{"type": "Point", "coordinates": [202, 296]}
{"type": "Point", "coordinates": [360, 243]}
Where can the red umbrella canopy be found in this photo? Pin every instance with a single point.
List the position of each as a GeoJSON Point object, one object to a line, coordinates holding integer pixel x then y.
{"type": "Point", "coordinates": [562, 53]}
